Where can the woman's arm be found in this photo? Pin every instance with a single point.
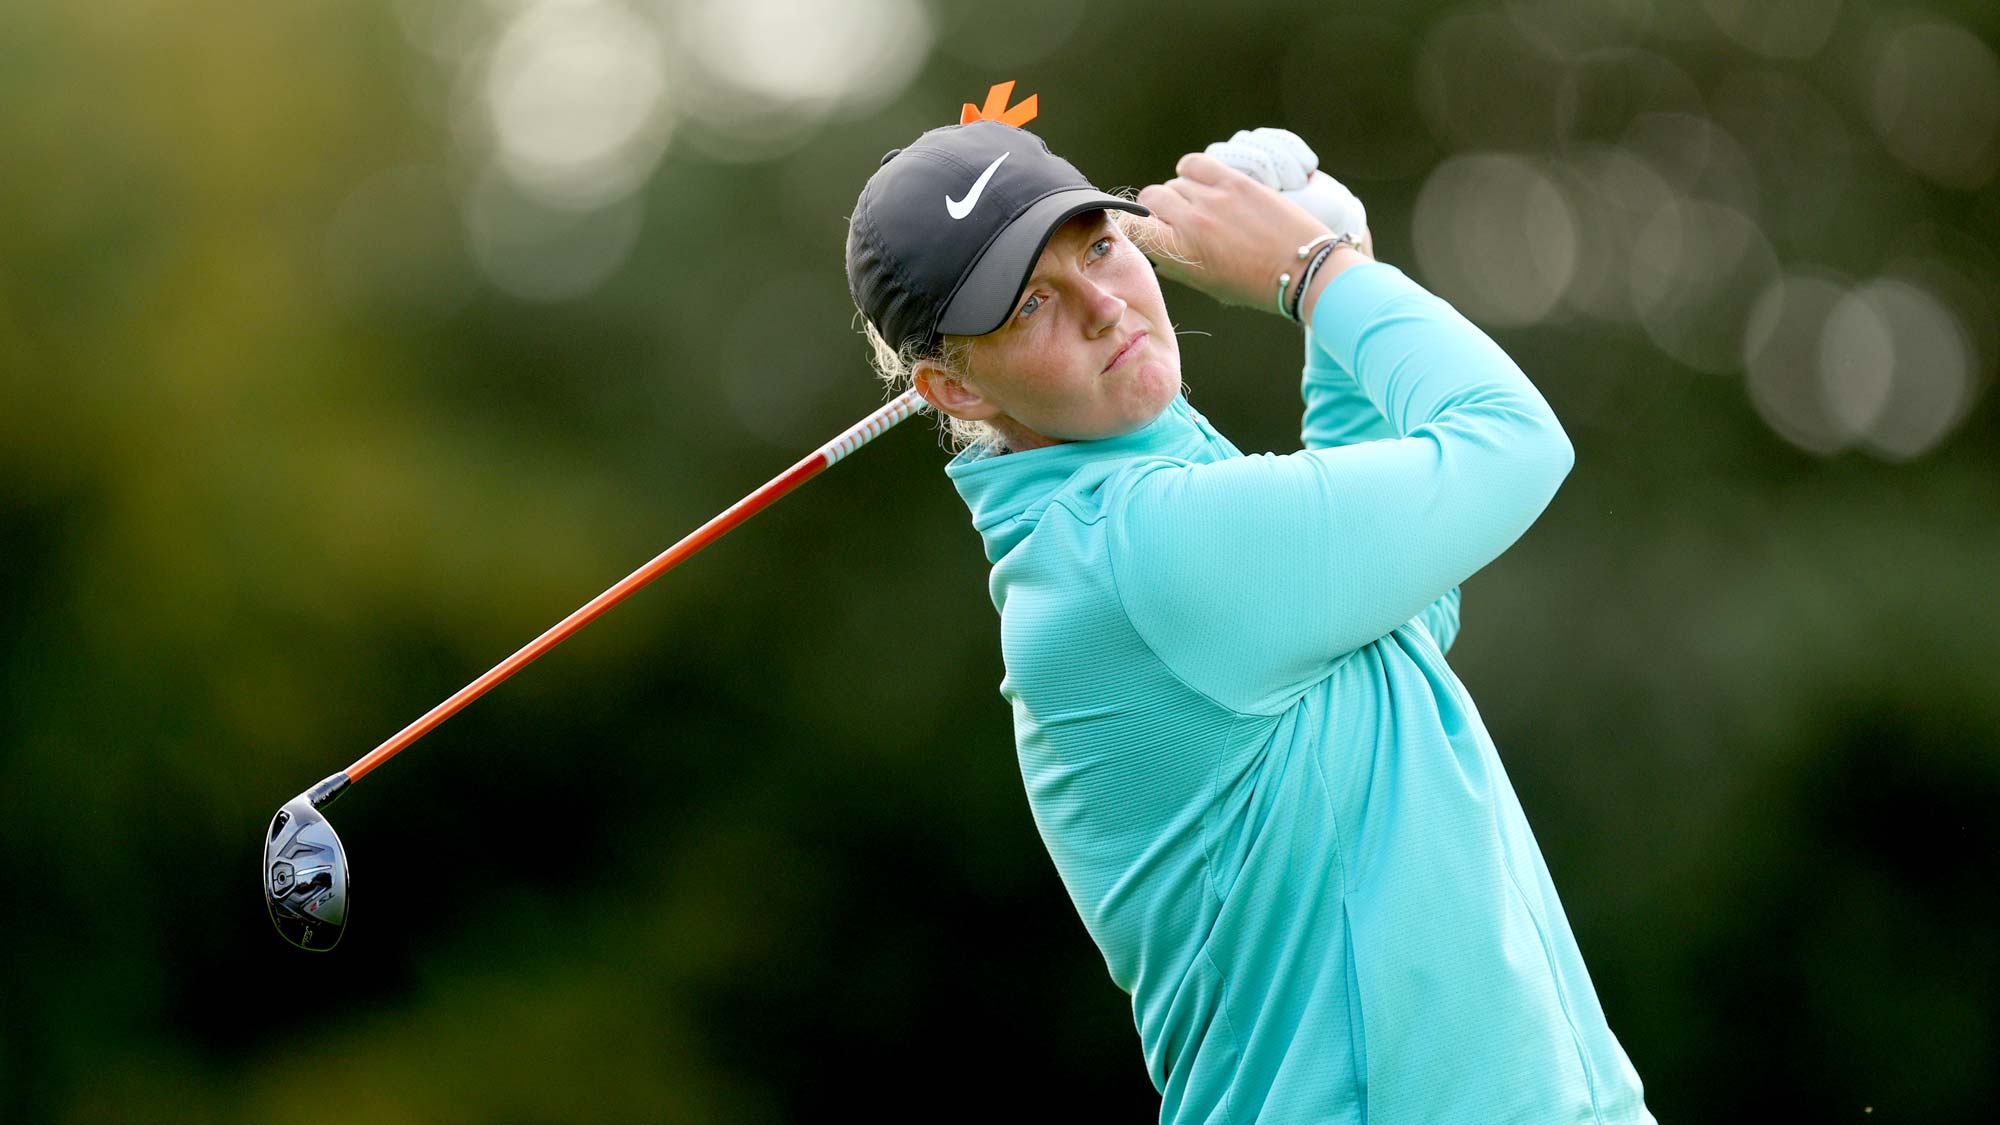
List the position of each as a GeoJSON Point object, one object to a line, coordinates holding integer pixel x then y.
{"type": "Point", "coordinates": [1251, 577]}
{"type": "Point", "coordinates": [1339, 412]}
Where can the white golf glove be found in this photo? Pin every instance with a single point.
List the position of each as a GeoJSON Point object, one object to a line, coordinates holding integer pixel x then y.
{"type": "Point", "coordinates": [1278, 159]}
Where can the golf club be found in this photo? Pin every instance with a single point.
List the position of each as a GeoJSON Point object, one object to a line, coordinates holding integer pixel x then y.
{"type": "Point", "coordinates": [305, 871]}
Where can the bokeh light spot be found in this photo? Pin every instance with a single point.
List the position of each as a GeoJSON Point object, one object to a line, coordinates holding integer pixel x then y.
{"type": "Point", "coordinates": [1495, 236]}
{"type": "Point", "coordinates": [766, 73]}
{"type": "Point", "coordinates": [1695, 157]}
{"type": "Point", "coordinates": [446, 30]}
{"type": "Point", "coordinates": [1857, 363]}
{"type": "Point", "coordinates": [807, 51]}
{"type": "Point", "coordinates": [575, 95]}
{"type": "Point", "coordinates": [1613, 194]}
{"type": "Point", "coordinates": [1896, 366]}
{"type": "Point", "coordinates": [1936, 104]}
{"type": "Point", "coordinates": [1697, 268]}
{"type": "Point", "coordinates": [1779, 29]}
{"type": "Point", "coordinates": [1781, 357]}
{"type": "Point", "coordinates": [1572, 26]}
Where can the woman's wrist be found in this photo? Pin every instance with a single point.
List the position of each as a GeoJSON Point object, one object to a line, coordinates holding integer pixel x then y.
{"type": "Point", "coordinates": [1344, 257]}
{"type": "Point", "coordinates": [1326, 244]}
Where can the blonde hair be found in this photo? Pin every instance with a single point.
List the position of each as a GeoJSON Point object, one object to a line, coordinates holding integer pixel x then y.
{"type": "Point", "coordinates": [897, 367]}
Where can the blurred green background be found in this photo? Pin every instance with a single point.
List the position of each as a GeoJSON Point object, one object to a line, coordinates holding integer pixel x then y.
{"type": "Point", "coordinates": [344, 347]}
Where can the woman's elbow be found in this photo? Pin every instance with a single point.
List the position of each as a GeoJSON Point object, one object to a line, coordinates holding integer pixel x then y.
{"type": "Point", "coordinates": [1546, 454]}
{"type": "Point", "coordinates": [1562, 455]}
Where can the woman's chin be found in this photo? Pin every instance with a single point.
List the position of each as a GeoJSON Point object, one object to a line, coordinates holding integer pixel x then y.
{"type": "Point", "coordinates": [1158, 383]}
{"type": "Point", "coordinates": [1156, 392]}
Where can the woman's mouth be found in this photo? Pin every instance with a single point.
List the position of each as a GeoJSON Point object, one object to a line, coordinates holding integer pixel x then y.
{"type": "Point", "coordinates": [1131, 346]}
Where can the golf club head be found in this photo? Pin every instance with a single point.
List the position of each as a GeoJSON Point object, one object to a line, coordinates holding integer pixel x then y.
{"type": "Point", "coordinates": [305, 876]}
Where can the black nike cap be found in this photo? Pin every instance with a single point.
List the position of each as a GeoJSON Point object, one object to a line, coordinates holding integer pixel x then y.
{"type": "Point", "coordinates": [948, 229]}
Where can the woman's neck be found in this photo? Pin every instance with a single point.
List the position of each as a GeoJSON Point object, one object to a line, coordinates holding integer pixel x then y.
{"type": "Point", "coordinates": [1014, 437]}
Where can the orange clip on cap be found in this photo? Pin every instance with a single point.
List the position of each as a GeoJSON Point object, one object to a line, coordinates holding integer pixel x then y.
{"type": "Point", "coordinates": [996, 108]}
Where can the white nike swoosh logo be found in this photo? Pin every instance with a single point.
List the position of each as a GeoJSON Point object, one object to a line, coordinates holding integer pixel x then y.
{"type": "Point", "coordinates": [960, 208]}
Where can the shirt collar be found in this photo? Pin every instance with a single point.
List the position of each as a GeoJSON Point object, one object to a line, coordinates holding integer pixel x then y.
{"type": "Point", "coordinates": [1001, 489]}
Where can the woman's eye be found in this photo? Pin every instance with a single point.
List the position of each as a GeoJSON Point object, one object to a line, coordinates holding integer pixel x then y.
{"type": "Point", "coordinates": [1028, 306]}
{"type": "Point", "coordinates": [1102, 242]}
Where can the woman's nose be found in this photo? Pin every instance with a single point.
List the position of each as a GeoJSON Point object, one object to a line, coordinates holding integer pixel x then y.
{"type": "Point", "coordinates": [1106, 308]}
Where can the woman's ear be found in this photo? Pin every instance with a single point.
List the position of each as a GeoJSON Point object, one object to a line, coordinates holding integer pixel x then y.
{"type": "Point", "coordinates": [948, 391]}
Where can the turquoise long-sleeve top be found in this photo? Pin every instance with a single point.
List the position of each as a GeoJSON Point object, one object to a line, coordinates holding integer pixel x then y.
{"type": "Point", "coordinates": [1275, 807]}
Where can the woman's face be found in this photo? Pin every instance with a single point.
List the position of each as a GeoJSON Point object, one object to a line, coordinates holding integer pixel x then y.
{"type": "Point", "coordinates": [1088, 351]}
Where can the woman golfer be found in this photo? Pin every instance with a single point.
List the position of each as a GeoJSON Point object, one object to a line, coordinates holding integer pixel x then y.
{"type": "Point", "coordinates": [1274, 805]}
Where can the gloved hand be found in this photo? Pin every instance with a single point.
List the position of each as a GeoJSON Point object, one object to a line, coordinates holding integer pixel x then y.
{"type": "Point", "coordinates": [1279, 160]}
